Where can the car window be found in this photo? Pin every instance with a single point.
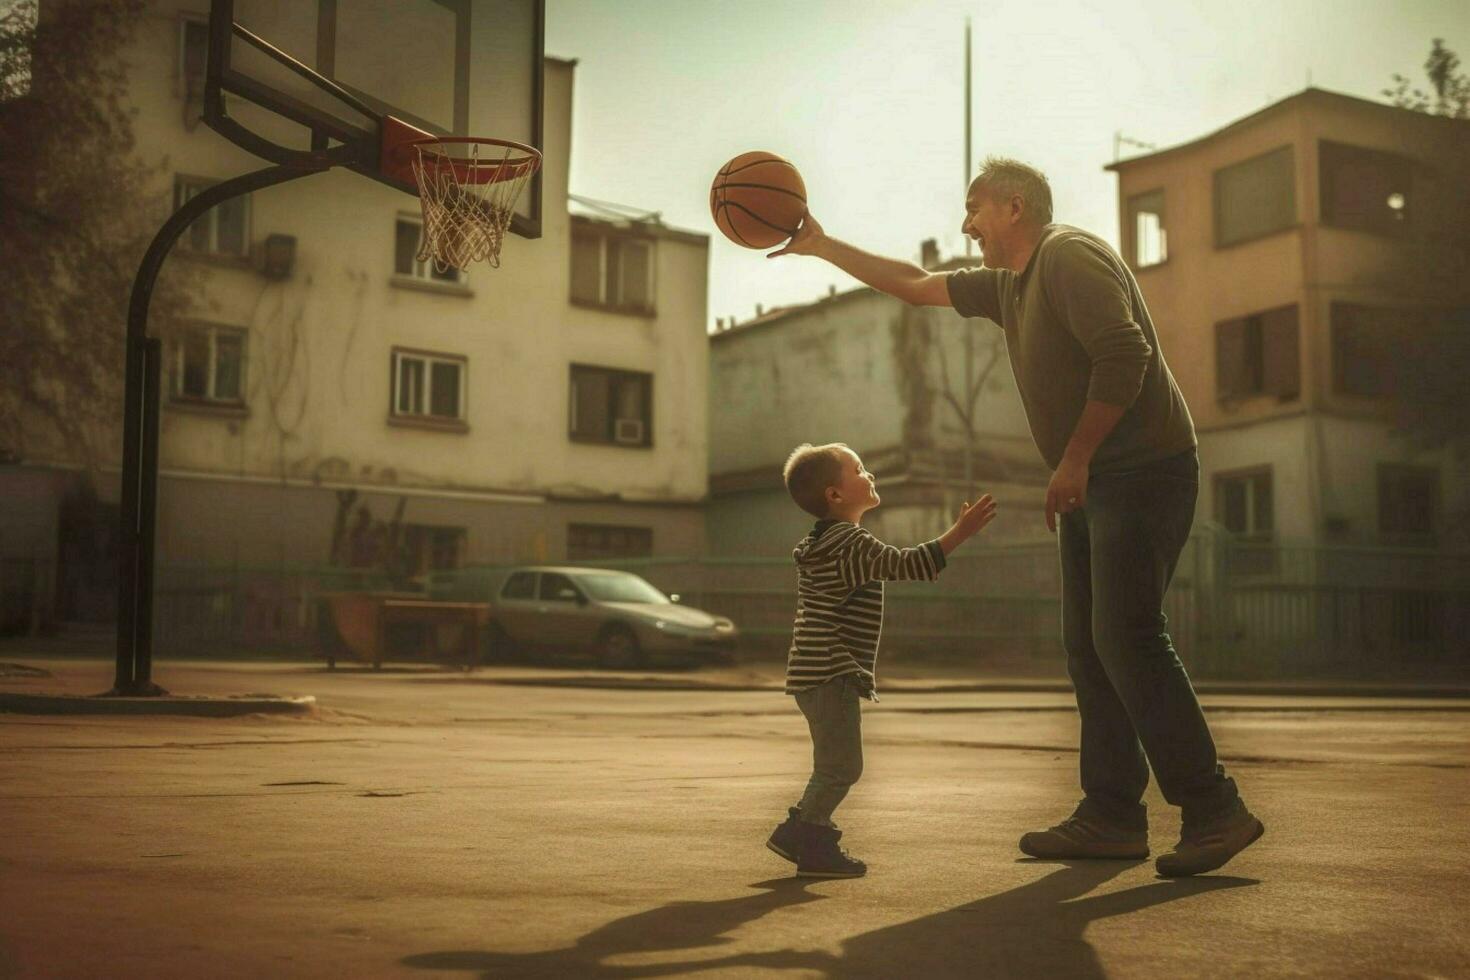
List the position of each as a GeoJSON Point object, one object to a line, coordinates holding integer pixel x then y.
{"type": "Point", "coordinates": [521, 585]}
{"type": "Point", "coordinates": [621, 587]}
{"type": "Point", "coordinates": [557, 588]}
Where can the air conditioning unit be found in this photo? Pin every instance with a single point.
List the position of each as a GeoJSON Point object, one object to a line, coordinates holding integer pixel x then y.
{"type": "Point", "coordinates": [628, 431]}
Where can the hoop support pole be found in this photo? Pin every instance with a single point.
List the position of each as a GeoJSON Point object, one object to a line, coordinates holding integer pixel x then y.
{"type": "Point", "coordinates": [141, 395]}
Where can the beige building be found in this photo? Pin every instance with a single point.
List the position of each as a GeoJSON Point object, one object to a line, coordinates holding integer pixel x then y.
{"type": "Point", "coordinates": [552, 409]}
{"type": "Point", "coordinates": [909, 388]}
{"type": "Point", "coordinates": [1287, 259]}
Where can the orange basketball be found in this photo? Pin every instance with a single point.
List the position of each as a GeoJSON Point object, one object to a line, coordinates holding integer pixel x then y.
{"type": "Point", "coordinates": [758, 199]}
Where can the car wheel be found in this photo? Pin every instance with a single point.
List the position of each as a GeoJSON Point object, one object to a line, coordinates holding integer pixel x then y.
{"type": "Point", "coordinates": [618, 649]}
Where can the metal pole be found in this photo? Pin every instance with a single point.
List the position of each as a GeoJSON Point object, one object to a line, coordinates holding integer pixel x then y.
{"type": "Point", "coordinates": [968, 243]}
{"type": "Point", "coordinates": [141, 396]}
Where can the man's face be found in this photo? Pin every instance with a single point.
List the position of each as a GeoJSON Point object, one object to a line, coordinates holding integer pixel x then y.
{"type": "Point", "coordinates": [855, 486]}
{"type": "Point", "coordinates": [989, 223]}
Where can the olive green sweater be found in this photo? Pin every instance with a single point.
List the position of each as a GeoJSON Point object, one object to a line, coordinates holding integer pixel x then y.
{"type": "Point", "coordinates": [1077, 330]}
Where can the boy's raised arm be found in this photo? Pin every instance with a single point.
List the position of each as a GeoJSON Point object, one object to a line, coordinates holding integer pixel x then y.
{"type": "Point", "coordinates": [869, 560]}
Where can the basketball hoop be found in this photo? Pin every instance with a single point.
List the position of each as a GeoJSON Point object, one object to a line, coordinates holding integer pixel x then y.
{"type": "Point", "coordinates": [468, 186]}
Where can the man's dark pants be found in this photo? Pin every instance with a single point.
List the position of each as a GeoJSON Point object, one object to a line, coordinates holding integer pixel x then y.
{"type": "Point", "coordinates": [1118, 553]}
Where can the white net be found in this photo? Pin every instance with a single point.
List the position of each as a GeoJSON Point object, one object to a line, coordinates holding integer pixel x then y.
{"type": "Point", "coordinates": [468, 191]}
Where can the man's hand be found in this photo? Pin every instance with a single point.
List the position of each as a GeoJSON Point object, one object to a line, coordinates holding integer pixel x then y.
{"type": "Point", "coordinates": [806, 239]}
{"type": "Point", "coordinates": [972, 518]}
{"type": "Point", "coordinates": [1067, 490]}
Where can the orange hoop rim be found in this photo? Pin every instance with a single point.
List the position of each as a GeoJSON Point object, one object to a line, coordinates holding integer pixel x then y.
{"type": "Point", "coordinates": [474, 170]}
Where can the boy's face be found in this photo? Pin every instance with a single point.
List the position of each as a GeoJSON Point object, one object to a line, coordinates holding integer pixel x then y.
{"type": "Point", "coordinates": [855, 490]}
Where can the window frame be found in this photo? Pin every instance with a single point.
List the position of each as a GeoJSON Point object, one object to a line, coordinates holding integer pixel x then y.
{"type": "Point", "coordinates": [606, 238]}
{"type": "Point", "coordinates": [1334, 152]}
{"type": "Point", "coordinates": [1385, 474]}
{"type": "Point", "coordinates": [1133, 212]}
{"type": "Point", "coordinates": [1254, 532]}
{"type": "Point", "coordinates": [423, 273]}
{"type": "Point", "coordinates": [1274, 336]}
{"type": "Point", "coordinates": [616, 377]}
{"type": "Point", "coordinates": [176, 394]}
{"type": "Point", "coordinates": [1291, 221]}
{"type": "Point", "coordinates": [426, 418]}
{"type": "Point", "coordinates": [580, 551]}
{"type": "Point", "coordinates": [186, 187]}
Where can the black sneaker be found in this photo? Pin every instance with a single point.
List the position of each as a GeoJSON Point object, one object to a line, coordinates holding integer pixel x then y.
{"type": "Point", "coordinates": [1210, 845]}
{"type": "Point", "coordinates": [820, 857]}
{"type": "Point", "coordinates": [1086, 835]}
{"type": "Point", "coordinates": [785, 840]}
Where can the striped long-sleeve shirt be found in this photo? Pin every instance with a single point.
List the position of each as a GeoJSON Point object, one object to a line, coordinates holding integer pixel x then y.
{"type": "Point", "coordinates": [840, 571]}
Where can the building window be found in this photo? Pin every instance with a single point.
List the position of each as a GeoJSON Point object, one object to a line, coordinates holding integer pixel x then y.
{"type": "Point", "coordinates": [1243, 503]}
{"type": "Point", "coordinates": [223, 229]}
{"type": "Point", "coordinates": [209, 365]}
{"type": "Point", "coordinates": [591, 542]}
{"type": "Point", "coordinates": [1364, 348]}
{"type": "Point", "coordinates": [1255, 197]}
{"type": "Point", "coordinates": [432, 548]}
{"type": "Point", "coordinates": [1365, 190]}
{"type": "Point", "coordinates": [408, 233]}
{"type": "Point", "coordinates": [611, 406]}
{"type": "Point", "coordinates": [1258, 355]}
{"type": "Point", "coordinates": [1243, 506]}
{"type": "Point", "coordinates": [1408, 501]}
{"type": "Point", "coordinates": [612, 270]}
{"type": "Point", "coordinates": [428, 386]}
{"type": "Point", "coordinates": [1146, 224]}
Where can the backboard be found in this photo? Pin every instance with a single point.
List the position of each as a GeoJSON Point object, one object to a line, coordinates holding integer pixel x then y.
{"type": "Point", "coordinates": [289, 77]}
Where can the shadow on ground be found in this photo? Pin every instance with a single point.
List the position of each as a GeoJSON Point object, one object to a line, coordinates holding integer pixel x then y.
{"type": "Point", "coordinates": [1033, 930]}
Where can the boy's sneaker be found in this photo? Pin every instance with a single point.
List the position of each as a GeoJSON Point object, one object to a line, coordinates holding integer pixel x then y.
{"type": "Point", "coordinates": [820, 857]}
{"type": "Point", "coordinates": [785, 840]}
{"type": "Point", "coordinates": [1086, 835]}
{"type": "Point", "coordinates": [1210, 845]}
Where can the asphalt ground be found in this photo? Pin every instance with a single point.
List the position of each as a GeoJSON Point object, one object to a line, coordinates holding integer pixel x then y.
{"type": "Point", "coordinates": [434, 823]}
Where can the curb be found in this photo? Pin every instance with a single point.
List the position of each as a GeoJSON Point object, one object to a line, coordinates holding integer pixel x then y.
{"type": "Point", "coordinates": [203, 707]}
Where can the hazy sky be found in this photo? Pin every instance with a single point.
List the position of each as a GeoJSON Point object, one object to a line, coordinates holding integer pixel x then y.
{"type": "Point", "coordinates": [867, 99]}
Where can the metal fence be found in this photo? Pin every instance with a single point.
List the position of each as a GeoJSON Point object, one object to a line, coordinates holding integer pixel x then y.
{"type": "Point", "coordinates": [1234, 609]}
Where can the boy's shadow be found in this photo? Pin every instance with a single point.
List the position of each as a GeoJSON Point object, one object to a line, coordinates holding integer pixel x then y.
{"type": "Point", "coordinates": [1036, 929]}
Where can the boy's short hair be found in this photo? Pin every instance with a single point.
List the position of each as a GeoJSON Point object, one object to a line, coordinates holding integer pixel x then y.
{"type": "Point", "coordinates": [809, 471]}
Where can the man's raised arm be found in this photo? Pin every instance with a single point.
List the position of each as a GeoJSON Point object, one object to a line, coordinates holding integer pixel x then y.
{"type": "Point", "coordinates": [904, 280]}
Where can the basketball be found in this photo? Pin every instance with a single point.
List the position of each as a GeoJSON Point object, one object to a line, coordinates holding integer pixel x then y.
{"type": "Point", "coordinates": [758, 199]}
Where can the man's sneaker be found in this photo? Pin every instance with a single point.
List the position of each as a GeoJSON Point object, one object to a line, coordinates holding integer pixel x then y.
{"type": "Point", "coordinates": [1085, 836]}
{"type": "Point", "coordinates": [1209, 846]}
{"type": "Point", "coordinates": [785, 840]}
{"type": "Point", "coordinates": [820, 857]}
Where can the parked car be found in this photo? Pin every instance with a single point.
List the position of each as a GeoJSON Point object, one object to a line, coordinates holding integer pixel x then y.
{"type": "Point", "coordinates": [617, 616]}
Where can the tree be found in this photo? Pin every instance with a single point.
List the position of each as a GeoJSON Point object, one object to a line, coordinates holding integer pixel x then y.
{"type": "Point", "coordinates": [1451, 96]}
{"type": "Point", "coordinates": [80, 208]}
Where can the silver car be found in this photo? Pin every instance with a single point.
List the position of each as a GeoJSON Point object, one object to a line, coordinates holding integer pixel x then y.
{"type": "Point", "coordinates": [617, 616]}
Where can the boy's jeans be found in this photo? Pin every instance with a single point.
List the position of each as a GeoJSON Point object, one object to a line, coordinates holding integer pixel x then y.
{"type": "Point", "coordinates": [1118, 553]}
{"type": "Point", "coordinates": [836, 722]}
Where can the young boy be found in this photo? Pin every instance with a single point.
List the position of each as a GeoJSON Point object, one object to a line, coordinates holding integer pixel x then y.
{"type": "Point", "coordinates": [841, 568]}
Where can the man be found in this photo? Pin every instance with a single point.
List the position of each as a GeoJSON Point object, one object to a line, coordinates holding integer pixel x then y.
{"type": "Point", "coordinates": [1112, 425]}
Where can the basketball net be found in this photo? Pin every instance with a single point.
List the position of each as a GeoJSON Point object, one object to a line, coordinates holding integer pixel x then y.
{"type": "Point", "coordinates": [468, 200]}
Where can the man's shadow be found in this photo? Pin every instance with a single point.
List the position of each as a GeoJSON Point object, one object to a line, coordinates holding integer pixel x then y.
{"type": "Point", "coordinates": [1036, 929]}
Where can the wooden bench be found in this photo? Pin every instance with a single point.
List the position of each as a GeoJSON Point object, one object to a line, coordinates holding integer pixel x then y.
{"type": "Point", "coordinates": [362, 621]}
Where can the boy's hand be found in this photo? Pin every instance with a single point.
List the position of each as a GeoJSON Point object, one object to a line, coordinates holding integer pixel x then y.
{"type": "Point", "coordinates": [806, 239]}
{"type": "Point", "coordinates": [972, 518]}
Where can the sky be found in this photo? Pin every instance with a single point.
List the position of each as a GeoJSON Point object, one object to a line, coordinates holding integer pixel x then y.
{"type": "Point", "coordinates": [866, 98]}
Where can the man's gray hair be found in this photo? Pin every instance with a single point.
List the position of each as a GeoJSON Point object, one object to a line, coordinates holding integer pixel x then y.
{"type": "Point", "coordinates": [1004, 178]}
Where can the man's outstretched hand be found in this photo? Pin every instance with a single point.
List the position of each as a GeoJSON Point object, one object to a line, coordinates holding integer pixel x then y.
{"type": "Point", "coordinates": [805, 241]}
